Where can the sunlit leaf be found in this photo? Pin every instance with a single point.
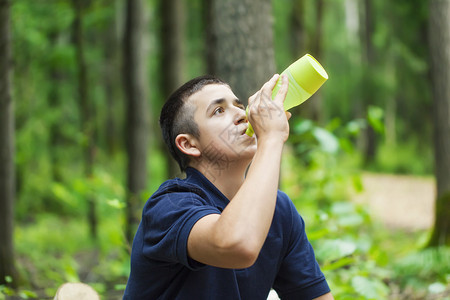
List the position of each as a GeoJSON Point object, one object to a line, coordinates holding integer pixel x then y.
{"type": "Point", "coordinates": [354, 127]}
{"type": "Point", "coordinates": [370, 288]}
{"type": "Point", "coordinates": [327, 141]}
{"type": "Point", "coordinates": [25, 294]}
{"type": "Point", "coordinates": [116, 203]}
{"type": "Point", "coordinates": [436, 288]}
{"type": "Point", "coordinates": [330, 250]}
{"type": "Point", "coordinates": [303, 126]}
{"type": "Point", "coordinates": [375, 117]}
{"type": "Point", "coordinates": [338, 264]}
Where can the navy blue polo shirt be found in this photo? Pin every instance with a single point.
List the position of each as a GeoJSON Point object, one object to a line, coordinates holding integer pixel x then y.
{"type": "Point", "coordinates": [161, 268]}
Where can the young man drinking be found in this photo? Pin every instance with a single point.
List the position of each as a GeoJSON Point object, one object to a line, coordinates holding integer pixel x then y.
{"type": "Point", "coordinates": [225, 231]}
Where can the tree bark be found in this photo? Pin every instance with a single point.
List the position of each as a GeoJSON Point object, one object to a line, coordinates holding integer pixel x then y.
{"type": "Point", "coordinates": [54, 101]}
{"type": "Point", "coordinates": [210, 37]}
{"type": "Point", "coordinates": [312, 108]}
{"type": "Point", "coordinates": [439, 34]}
{"type": "Point", "coordinates": [112, 80]}
{"type": "Point", "coordinates": [368, 82]}
{"type": "Point", "coordinates": [137, 117]}
{"type": "Point", "coordinates": [298, 30]}
{"type": "Point", "coordinates": [242, 40]}
{"type": "Point", "coordinates": [172, 54]}
{"type": "Point", "coordinates": [7, 169]}
{"type": "Point", "coordinates": [87, 112]}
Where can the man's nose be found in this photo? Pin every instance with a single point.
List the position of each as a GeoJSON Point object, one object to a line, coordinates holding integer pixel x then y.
{"type": "Point", "coordinates": [240, 116]}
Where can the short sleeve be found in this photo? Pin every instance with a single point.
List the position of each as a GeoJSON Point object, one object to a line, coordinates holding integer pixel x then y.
{"type": "Point", "coordinates": [168, 220]}
{"type": "Point", "coordinates": [299, 276]}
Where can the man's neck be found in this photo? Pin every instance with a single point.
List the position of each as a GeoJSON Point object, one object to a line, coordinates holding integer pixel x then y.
{"type": "Point", "coordinates": [227, 179]}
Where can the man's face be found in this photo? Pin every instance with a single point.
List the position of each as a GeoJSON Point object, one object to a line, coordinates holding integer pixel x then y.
{"type": "Point", "coordinates": [222, 123]}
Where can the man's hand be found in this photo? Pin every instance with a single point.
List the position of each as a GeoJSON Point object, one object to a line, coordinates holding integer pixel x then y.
{"type": "Point", "coordinates": [267, 116]}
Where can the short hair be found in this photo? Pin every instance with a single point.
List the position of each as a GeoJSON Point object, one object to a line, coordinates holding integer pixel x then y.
{"type": "Point", "coordinates": [177, 117]}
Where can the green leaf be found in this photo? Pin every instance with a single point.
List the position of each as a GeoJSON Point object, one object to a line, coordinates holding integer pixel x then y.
{"type": "Point", "coordinates": [350, 220]}
{"type": "Point", "coordinates": [338, 264]}
{"type": "Point", "coordinates": [116, 203]}
{"type": "Point", "coordinates": [119, 287]}
{"type": "Point", "coordinates": [370, 288]}
{"type": "Point", "coordinates": [358, 183]}
{"type": "Point", "coordinates": [342, 208]}
{"type": "Point", "coordinates": [327, 141]}
{"type": "Point", "coordinates": [375, 118]}
{"type": "Point", "coordinates": [27, 294]}
{"type": "Point", "coordinates": [315, 235]}
{"type": "Point", "coordinates": [354, 127]}
{"type": "Point", "coordinates": [436, 288]}
{"type": "Point", "coordinates": [331, 250]}
{"type": "Point", "coordinates": [303, 126]}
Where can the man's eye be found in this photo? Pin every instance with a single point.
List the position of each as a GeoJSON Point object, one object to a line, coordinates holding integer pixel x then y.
{"type": "Point", "coordinates": [218, 110]}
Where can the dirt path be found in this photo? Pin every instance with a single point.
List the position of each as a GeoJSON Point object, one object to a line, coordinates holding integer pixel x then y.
{"type": "Point", "coordinates": [399, 201]}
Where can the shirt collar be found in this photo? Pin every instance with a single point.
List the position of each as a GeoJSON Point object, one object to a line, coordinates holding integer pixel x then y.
{"type": "Point", "coordinates": [195, 176]}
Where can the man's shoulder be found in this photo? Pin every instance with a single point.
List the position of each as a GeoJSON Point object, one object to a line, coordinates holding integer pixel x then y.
{"type": "Point", "coordinates": [177, 185]}
{"type": "Point", "coordinates": [284, 203]}
{"type": "Point", "coordinates": [282, 196]}
{"type": "Point", "coordinates": [177, 194]}
{"type": "Point", "coordinates": [286, 213]}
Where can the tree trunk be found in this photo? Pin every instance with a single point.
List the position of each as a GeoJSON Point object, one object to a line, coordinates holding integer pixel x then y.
{"type": "Point", "coordinates": [312, 108]}
{"type": "Point", "coordinates": [137, 118]}
{"type": "Point", "coordinates": [54, 99]}
{"type": "Point", "coordinates": [172, 54]}
{"type": "Point", "coordinates": [210, 37]}
{"type": "Point", "coordinates": [7, 169]}
{"type": "Point", "coordinates": [111, 81]}
{"type": "Point", "coordinates": [86, 110]}
{"type": "Point", "coordinates": [439, 33]}
{"type": "Point", "coordinates": [242, 41]}
{"type": "Point", "coordinates": [368, 93]}
{"type": "Point", "coordinates": [298, 30]}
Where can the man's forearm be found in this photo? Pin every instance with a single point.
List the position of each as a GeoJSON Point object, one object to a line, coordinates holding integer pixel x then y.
{"type": "Point", "coordinates": [248, 217]}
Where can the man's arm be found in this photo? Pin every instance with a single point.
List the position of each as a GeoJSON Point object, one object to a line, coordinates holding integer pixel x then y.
{"type": "Point", "coordinates": [234, 238]}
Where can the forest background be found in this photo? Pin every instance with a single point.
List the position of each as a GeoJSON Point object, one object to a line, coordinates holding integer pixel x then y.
{"type": "Point", "coordinates": [82, 83]}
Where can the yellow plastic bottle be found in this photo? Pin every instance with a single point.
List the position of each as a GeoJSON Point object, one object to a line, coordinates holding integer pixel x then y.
{"type": "Point", "coordinates": [306, 76]}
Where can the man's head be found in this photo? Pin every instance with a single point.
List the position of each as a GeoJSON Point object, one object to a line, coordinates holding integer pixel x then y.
{"type": "Point", "coordinates": [177, 115]}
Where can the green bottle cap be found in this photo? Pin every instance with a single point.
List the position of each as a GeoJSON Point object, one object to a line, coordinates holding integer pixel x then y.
{"type": "Point", "coordinates": [308, 73]}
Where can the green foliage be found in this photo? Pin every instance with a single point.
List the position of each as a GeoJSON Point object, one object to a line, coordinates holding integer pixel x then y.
{"type": "Point", "coordinates": [6, 291]}
{"type": "Point", "coordinates": [50, 257]}
{"type": "Point", "coordinates": [361, 259]}
{"type": "Point", "coordinates": [375, 118]}
{"type": "Point", "coordinates": [424, 267]}
{"type": "Point", "coordinates": [403, 159]}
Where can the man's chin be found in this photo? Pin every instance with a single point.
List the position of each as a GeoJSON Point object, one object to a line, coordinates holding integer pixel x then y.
{"type": "Point", "coordinates": [249, 151]}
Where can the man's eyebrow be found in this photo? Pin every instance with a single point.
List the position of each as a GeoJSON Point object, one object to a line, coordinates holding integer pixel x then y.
{"type": "Point", "coordinates": [238, 102]}
{"type": "Point", "coordinates": [214, 103]}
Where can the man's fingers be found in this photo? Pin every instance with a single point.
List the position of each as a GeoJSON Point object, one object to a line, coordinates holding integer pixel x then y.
{"type": "Point", "coordinates": [266, 90]}
{"type": "Point", "coordinates": [253, 99]}
{"type": "Point", "coordinates": [282, 92]}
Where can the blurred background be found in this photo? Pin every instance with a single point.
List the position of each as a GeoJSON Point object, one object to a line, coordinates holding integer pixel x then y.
{"type": "Point", "coordinates": [367, 163]}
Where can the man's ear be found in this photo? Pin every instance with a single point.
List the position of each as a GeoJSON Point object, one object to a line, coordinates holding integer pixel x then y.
{"type": "Point", "coordinates": [187, 144]}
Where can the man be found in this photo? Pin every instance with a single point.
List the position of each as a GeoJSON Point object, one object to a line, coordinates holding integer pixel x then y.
{"type": "Point", "coordinates": [224, 232]}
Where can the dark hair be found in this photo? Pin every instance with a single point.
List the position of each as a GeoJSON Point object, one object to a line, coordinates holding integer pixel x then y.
{"type": "Point", "coordinates": [177, 117]}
